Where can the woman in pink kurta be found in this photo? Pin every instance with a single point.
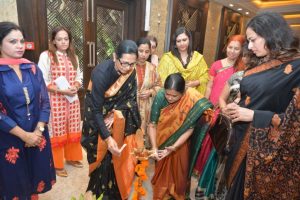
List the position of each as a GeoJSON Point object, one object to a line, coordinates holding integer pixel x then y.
{"type": "Point", "coordinates": [219, 73]}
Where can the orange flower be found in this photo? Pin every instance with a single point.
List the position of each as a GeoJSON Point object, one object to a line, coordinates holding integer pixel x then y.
{"type": "Point", "coordinates": [136, 184]}
{"type": "Point", "coordinates": [140, 169]}
{"type": "Point", "coordinates": [42, 144]}
{"type": "Point", "coordinates": [41, 186]}
{"type": "Point", "coordinates": [34, 197]}
{"type": "Point", "coordinates": [145, 163]}
{"type": "Point", "coordinates": [12, 155]}
{"type": "Point", "coordinates": [135, 196]}
{"type": "Point", "coordinates": [142, 191]}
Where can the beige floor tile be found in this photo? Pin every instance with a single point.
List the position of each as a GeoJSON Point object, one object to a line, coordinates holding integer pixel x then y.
{"type": "Point", "coordinates": [77, 180]}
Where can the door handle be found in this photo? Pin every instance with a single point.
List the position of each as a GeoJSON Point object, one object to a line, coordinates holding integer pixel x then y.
{"type": "Point", "coordinates": [94, 53]}
{"type": "Point", "coordinates": [93, 18]}
{"type": "Point", "coordinates": [90, 54]}
{"type": "Point", "coordinates": [87, 10]}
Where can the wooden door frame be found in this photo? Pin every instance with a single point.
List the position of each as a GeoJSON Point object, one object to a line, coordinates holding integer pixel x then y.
{"type": "Point", "coordinates": [32, 16]}
{"type": "Point", "coordinates": [203, 5]}
{"type": "Point", "coordinates": [222, 32]}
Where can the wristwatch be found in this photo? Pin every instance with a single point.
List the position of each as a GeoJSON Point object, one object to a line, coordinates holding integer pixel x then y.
{"type": "Point", "coordinates": [41, 128]}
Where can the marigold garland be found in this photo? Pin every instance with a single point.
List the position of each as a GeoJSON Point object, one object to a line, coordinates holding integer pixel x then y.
{"type": "Point", "coordinates": [140, 169]}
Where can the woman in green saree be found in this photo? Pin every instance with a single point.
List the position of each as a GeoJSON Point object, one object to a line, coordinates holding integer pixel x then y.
{"type": "Point", "coordinates": [174, 116]}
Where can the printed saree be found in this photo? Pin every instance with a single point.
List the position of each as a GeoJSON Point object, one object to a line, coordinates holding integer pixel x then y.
{"type": "Point", "coordinates": [183, 115]}
{"type": "Point", "coordinates": [112, 175]}
{"type": "Point", "coordinates": [265, 161]}
{"type": "Point", "coordinates": [147, 79]}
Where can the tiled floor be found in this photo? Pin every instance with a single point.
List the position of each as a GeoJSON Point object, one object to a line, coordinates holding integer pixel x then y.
{"type": "Point", "coordinates": [76, 183]}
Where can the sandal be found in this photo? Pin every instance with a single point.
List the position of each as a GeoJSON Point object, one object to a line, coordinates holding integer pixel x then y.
{"type": "Point", "coordinates": [76, 164]}
{"type": "Point", "coordinates": [61, 172]}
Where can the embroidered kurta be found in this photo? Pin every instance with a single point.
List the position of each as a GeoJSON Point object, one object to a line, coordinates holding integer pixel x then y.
{"type": "Point", "coordinates": [195, 70]}
{"type": "Point", "coordinates": [64, 126]}
{"type": "Point", "coordinates": [23, 171]}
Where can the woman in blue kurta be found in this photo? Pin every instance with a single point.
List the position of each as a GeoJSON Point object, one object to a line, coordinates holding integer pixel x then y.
{"type": "Point", "coordinates": [26, 165]}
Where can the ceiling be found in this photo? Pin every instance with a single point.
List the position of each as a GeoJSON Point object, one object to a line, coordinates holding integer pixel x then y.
{"type": "Point", "coordinates": [290, 9]}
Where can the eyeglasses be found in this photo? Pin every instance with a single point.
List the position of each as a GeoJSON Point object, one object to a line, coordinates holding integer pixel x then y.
{"type": "Point", "coordinates": [126, 64]}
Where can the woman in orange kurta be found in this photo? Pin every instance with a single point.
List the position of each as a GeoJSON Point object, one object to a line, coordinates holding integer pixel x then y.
{"type": "Point", "coordinates": [64, 127]}
{"type": "Point", "coordinates": [174, 114]}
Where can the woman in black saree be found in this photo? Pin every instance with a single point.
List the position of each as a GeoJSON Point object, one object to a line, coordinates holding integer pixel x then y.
{"type": "Point", "coordinates": [264, 162]}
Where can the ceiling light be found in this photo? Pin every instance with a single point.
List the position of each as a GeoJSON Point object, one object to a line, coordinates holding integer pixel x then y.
{"type": "Point", "coordinates": [239, 9]}
{"type": "Point", "coordinates": [291, 16]}
{"type": "Point", "coordinates": [231, 5]}
{"type": "Point", "coordinates": [247, 13]}
{"type": "Point", "coordinates": [295, 25]}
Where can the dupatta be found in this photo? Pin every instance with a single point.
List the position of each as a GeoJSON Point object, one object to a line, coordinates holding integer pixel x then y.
{"type": "Point", "coordinates": [196, 69]}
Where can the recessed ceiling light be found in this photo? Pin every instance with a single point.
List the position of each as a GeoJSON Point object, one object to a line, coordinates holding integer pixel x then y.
{"type": "Point", "coordinates": [239, 9]}
{"type": "Point", "coordinates": [247, 13]}
{"type": "Point", "coordinates": [231, 5]}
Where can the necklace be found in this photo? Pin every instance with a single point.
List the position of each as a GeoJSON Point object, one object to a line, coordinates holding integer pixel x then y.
{"type": "Point", "coordinates": [229, 63]}
{"type": "Point", "coordinates": [27, 98]}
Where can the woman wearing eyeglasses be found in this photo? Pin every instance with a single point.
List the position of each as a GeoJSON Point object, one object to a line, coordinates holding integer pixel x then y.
{"type": "Point", "coordinates": [111, 119]}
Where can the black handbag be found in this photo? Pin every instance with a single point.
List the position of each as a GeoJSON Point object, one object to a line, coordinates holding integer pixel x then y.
{"type": "Point", "coordinates": [221, 133]}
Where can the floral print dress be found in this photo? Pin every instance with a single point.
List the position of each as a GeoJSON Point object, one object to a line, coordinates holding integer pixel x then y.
{"type": "Point", "coordinates": [24, 172]}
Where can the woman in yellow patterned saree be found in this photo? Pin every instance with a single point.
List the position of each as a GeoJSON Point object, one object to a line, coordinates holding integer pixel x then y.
{"type": "Point", "coordinates": [174, 116]}
{"type": "Point", "coordinates": [181, 58]}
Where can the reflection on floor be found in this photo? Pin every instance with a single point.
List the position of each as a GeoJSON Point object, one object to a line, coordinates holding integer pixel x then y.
{"type": "Point", "coordinates": [77, 180]}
